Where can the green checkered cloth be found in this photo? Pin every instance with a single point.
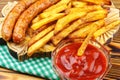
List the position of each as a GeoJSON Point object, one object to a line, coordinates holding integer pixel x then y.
{"type": "Point", "coordinates": [41, 67]}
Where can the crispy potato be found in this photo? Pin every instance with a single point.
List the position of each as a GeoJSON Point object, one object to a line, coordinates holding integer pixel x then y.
{"type": "Point", "coordinates": [46, 48]}
{"type": "Point", "coordinates": [86, 41]}
{"type": "Point", "coordinates": [67, 11]}
{"type": "Point", "coordinates": [46, 20]}
{"type": "Point", "coordinates": [36, 19]}
{"type": "Point", "coordinates": [99, 14]}
{"type": "Point", "coordinates": [87, 8]}
{"type": "Point", "coordinates": [58, 4]}
{"type": "Point", "coordinates": [106, 28]}
{"type": "Point", "coordinates": [79, 4]}
{"type": "Point", "coordinates": [83, 32]}
{"type": "Point", "coordinates": [65, 32]}
{"type": "Point", "coordinates": [96, 15]}
{"type": "Point", "coordinates": [40, 35]}
{"type": "Point", "coordinates": [61, 23]}
{"type": "Point", "coordinates": [54, 11]}
{"type": "Point", "coordinates": [101, 2]}
{"type": "Point", "coordinates": [40, 43]}
{"type": "Point", "coordinates": [92, 16]}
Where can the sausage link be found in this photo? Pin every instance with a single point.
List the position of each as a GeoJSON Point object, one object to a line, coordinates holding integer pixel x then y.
{"type": "Point", "coordinates": [12, 17]}
{"type": "Point", "coordinates": [27, 16]}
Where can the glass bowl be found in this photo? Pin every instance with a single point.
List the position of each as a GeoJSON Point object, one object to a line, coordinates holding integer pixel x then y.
{"type": "Point", "coordinates": [63, 74]}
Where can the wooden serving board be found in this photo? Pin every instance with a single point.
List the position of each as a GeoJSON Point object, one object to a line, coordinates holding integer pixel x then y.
{"type": "Point", "coordinates": [113, 74]}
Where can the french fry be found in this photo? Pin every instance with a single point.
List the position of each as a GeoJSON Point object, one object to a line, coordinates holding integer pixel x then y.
{"type": "Point", "coordinates": [40, 43]}
{"type": "Point", "coordinates": [40, 35]}
{"type": "Point", "coordinates": [46, 20]}
{"type": "Point", "coordinates": [58, 4]}
{"type": "Point", "coordinates": [83, 32]}
{"type": "Point", "coordinates": [62, 7]}
{"type": "Point", "coordinates": [77, 13]}
{"type": "Point", "coordinates": [36, 19]}
{"type": "Point", "coordinates": [46, 48]}
{"type": "Point", "coordinates": [86, 8]}
{"type": "Point", "coordinates": [101, 2]}
{"type": "Point", "coordinates": [86, 41]}
{"type": "Point", "coordinates": [54, 11]}
{"type": "Point", "coordinates": [106, 28]}
{"type": "Point", "coordinates": [65, 32]}
{"type": "Point", "coordinates": [79, 4]}
{"type": "Point", "coordinates": [49, 47]}
{"type": "Point", "coordinates": [95, 15]}
{"type": "Point", "coordinates": [61, 23]}
{"type": "Point", "coordinates": [92, 16]}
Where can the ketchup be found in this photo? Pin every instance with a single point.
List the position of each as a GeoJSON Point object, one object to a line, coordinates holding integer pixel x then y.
{"type": "Point", "coordinates": [89, 66]}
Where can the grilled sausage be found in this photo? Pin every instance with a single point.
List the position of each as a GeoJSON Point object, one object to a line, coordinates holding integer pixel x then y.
{"type": "Point", "coordinates": [27, 16]}
{"type": "Point", "coordinates": [12, 17]}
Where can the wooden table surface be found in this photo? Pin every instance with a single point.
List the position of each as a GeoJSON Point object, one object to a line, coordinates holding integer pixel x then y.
{"type": "Point", "coordinates": [113, 74]}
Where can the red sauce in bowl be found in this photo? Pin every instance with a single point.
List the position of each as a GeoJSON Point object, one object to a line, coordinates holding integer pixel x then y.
{"type": "Point", "coordinates": [91, 65]}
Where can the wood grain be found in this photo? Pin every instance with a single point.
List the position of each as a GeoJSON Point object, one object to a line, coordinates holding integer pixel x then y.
{"type": "Point", "coordinates": [114, 73]}
{"type": "Point", "coordinates": [11, 75]}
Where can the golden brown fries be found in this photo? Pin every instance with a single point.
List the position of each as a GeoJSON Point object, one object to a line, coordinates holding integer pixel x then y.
{"type": "Point", "coordinates": [86, 9]}
{"type": "Point", "coordinates": [86, 41]}
{"type": "Point", "coordinates": [46, 20]}
{"type": "Point", "coordinates": [79, 4]}
{"type": "Point", "coordinates": [40, 43]}
{"type": "Point", "coordinates": [60, 3]}
{"type": "Point", "coordinates": [40, 35]}
{"type": "Point", "coordinates": [101, 2]}
{"type": "Point", "coordinates": [36, 19]}
{"type": "Point", "coordinates": [81, 33]}
{"type": "Point", "coordinates": [61, 23]}
{"type": "Point", "coordinates": [76, 13]}
{"type": "Point", "coordinates": [96, 15]}
{"type": "Point", "coordinates": [92, 16]}
{"type": "Point", "coordinates": [48, 48]}
{"type": "Point", "coordinates": [106, 28]}
{"type": "Point", "coordinates": [65, 32]}
{"type": "Point", "coordinates": [84, 31]}
{"type": "Point", "coordinates": [54, 11]}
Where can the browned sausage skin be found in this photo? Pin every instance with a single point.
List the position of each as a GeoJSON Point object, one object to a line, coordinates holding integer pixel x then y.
{"type": "Point", "coordinates": [12, 17]}
{"type": "Point", "coordinates": [27, 16]}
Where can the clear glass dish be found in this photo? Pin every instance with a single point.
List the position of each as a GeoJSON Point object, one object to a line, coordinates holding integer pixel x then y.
{"type": "Point", "coordinates": [69, 41]}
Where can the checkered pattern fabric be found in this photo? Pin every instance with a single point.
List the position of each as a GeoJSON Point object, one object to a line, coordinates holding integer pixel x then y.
{"type": "Point", "coordinates": [37, 66]}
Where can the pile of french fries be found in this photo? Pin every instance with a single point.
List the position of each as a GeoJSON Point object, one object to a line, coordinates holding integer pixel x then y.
{"type": "Point", "coordinates": [69, 19]}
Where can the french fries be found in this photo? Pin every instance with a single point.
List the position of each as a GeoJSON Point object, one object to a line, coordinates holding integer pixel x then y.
{"type": "Point", "coordinates": [86, 41]}
{"type": "Point", "coordinates": [36, 19]}
{"type": "Point", "coordinates": [86, 9]}
{"type": "Point", "coordinates": [64, 33]}
{"type": "Point", "coordinates": [46, 21]}
{"type": "Point", "coordinates": [106, 28]}
{"type": "Point", "coordinates": [61, 23]}
{"type": "Point", "coordinates": [72, 19]}
{"type": "Point", "coordinates": [40, 35]}
{"type": "Point", "coordinates": [101, 2]}
{"type": "Point", "coordinates": [96, 15]}
{"type": "Point", "coordinates": [57, 5]}
{"type": "Point", "coordinates": [40, 43]}
{"type": "Point", "coordinates": [60, 6]}
{"type": "Point", "coordinates": [54, 11]}
{"type": "Point", "coordinates": [79, 4]}
{"type": "Point", "coordinates": [84, 31]}
{"type": "Point", "coordinates": [88, 18]}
